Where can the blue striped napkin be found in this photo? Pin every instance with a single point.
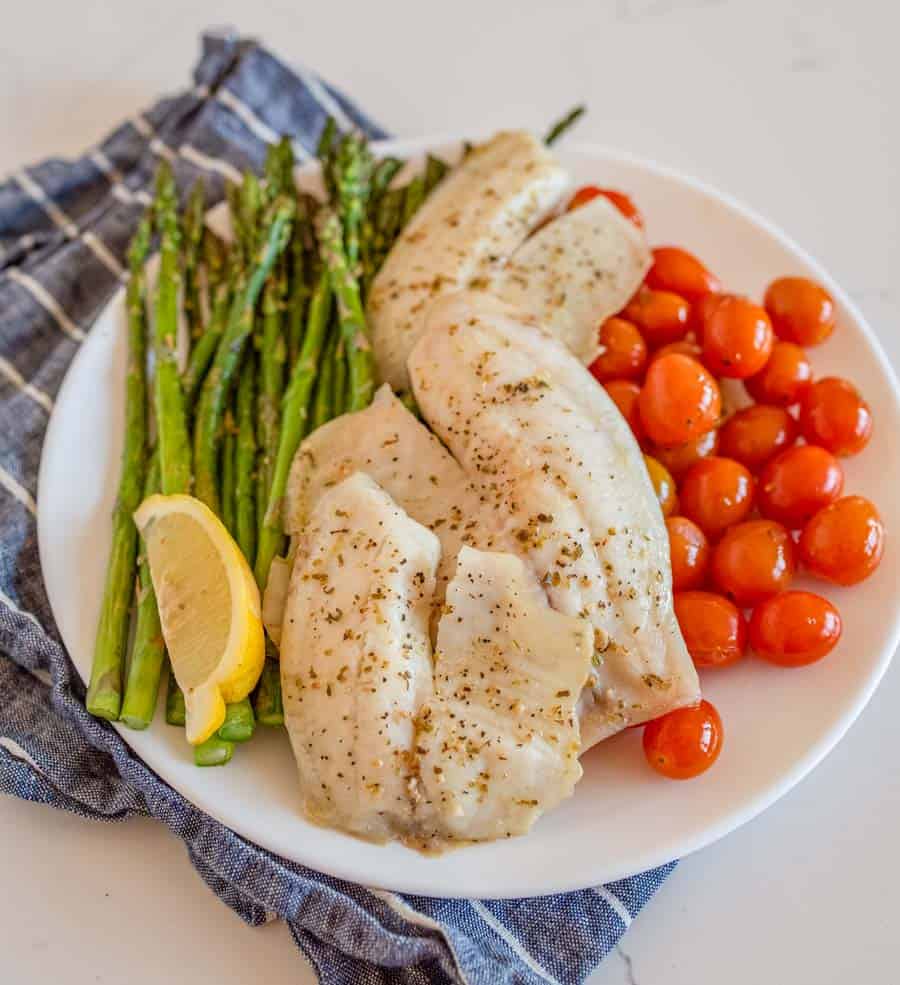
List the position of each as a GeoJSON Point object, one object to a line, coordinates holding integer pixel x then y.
{"type": "Point", "coordinates": [64, 228]}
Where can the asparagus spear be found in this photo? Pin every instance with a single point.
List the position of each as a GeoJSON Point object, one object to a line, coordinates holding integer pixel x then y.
{"type": "Point", "coordinates": [245, 463]}
{"type": "Point", "coordinates": [566, 123]}
{"type": "Point", "coordinates": [213, 396]}
{"type": "Point", "coordinates": [176, 713]}
{"type": "Point", "coordinates": [415, 196]}
{"type": "Point", "coordinates": [341, 393]}
{"type": "Point", "coordinates": [204, 347]}
{"type": "Point", "coordinates": [148, 650]}
{"type": "Point", "coordinates": [227, 494]}
{"type": "Point", "coordinates": [435, 169]}
{"type": "Point", "coordinates": [171, 419]}
{"type": "Point", "coordinates": [273, 354]}
{"type": "Point", "coordinates": [299, 288]}
{"type": "Point", "coordinates": [295, 409]}
{"type": "Point", "coordinates": [350, 311]}
{"type": "Point", "coordinates": [239, 724]}
{"type": "Point", "coordinates": [353, 174]}
{"type": "Point", "coordinates": [105, 690]}
{"type": "Point", "coordinates": [268, 705]}
{"type": "Point", "coordinates": [323, 401]}
{"type": "Point", "coordinates": [193, 223]}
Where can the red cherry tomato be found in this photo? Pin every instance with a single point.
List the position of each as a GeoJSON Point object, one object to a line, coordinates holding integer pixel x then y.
{"type": "Point", "coordinates": [625, 352]}
{"type": "Point", "coordinates": [801, 310]}
{"type": "Point", "coordinates": [701, 310]}
{"type": "Point", "coordinates": [737, 338]}
{"type": "Point", "coordinates": [684, 347]}
{"type": "Point", "coordinates": [835, 416]}
{"type": "Point", "coordinates": [689, 553]}
{"type": "Point", "coordinates": [843, 542]}
{"type": "Point", "coordinates": [684, 743]}
{"type": "Point", "coordinates": [680, 400]}
{"type": "Point", "coordinates": [798, 483]}
{"type": "Point", "coordinates": [784, 377]}
{"type": "Point", "coordinates": [794, 628]}
{"type": "Point", "coordinates": [625, 395]}
{"type": "Point", "coordinates": [681, 272]}
{"type": "Point", "coordinates": [753, 561]}
{"type": "Point", "coordinates": [716, 493]}
{"type": "Point", "coordinates": [661, 316]}
{"type": "Point", "coordinates": [713, 628]}
{"type": "Point", "coordinates": [621, 201]}
{"type": "Point", "coordinates": [663, 485]}
{"type": "Point", "coordinates": [679, 458]}
{"type": "Point", "coordinates": [755, 434]}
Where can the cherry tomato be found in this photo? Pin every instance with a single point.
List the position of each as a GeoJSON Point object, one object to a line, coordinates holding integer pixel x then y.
{"type": "Point", "coordinates": [679, 458]}
{"type": "Point", "coordinates": [684, 743]}
{"type": "Point", "coordinates": [801, 310]}
{"type": "Point", "coordinates": [737, 338]}
{"type": "Point", "coordinates": [689, 552]}
{"type": "Point", "coordinates": [843, 542]}
{"type": "Point", "coordinates": [621, 201]}
{"type": "Point", "coordinates": [680, 400]}
{"type": "Point", "coordinates": [701, 310]}
{"type": "Point", "coordinates": [625, 352]}
{"type": "Point", "coordinates": [714, 629]}
{"type": "Point", "coordinates": [835, 416]}
{"type": "Point", "coordinates": [625, 394]}
{"type": "Point", "coordinates": [685, 347]}
{"type": "Point", "coordinates": [663, 485]}
{"type": "Point", "coordinates": [753, 561]}
{"type": "Point", "coordinates": [682, 273]}
{"type": "Point", "coordinates": [798, 483]}
{"type": "Point", "coordinates": [661, 316]}
{"type": "Point", "coordinates": [784, 377]}
{"type": "Point", "coordinates": [716, 493]}
{"type": "Point", "coordinates": [755, 434]}
{"type": "Point", "coordinates": [794, 628]}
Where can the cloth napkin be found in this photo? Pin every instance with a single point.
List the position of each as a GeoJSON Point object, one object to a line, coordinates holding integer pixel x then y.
{"type": "Point", "coordinates": [64, 229]}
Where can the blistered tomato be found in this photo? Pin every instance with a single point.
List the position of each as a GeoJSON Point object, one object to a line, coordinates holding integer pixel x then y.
{"type": "Point", "coordinates": [679, 458]}
{"type": "Point", "coordinates": [753, 561]}
{"type": "Point", "coordinates": [798, 483]}
{"type": "Point", "coordinates": [784, 377]}
{"type": "Point", "coordinates": [684, 347]}
{"type": "Point", "coordinates": [624, 353]}
{"type": "Point", "coordinates": [801, 310]}
{"type": "Point", "coordinates": [679, 401]}
{"type": "Point", "coordinates": [676, 270]}
{"type": "Point", "coordinates": [661, 316]}
{"type": "Point", "coordinates": [843, 542]}
{"type": "Point", "coordinates": [834, 415]}
{"type": "Point", "coordinates": [625, 395]}
{"type": "Point", "coordinates": [663, 485]}
{"type": "Point", "coordinates": [688, 551]}
{"type": "Point", "coordinates": [794, 628]}
{"type": "Point", "coordinates": [713, 628]}
{"type": "Point", "coordinates": [716, 493]}
{"type": "Point", "coordinates": [737, 338]}
{"type": "Point", "coordinates": [684, 743]}
{"type": "Point", "coordinates": [757, 433]}
{"type": "Point", "coordinates": [621, 201]}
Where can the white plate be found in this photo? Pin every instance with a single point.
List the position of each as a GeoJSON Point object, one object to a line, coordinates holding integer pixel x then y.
{"type": "Point", "coordinates": [623, 818]}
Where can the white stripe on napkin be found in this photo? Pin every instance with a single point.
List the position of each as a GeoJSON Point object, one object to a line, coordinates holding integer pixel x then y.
{"type": "Point", "coordinates": [207, 163]}
{"type": "Point", "coordinates": [609, 897]}
{"type": "Point", "coordinates": [324, 98]}
{"type": "Point", "coordinates": [514, 945]}
{"type": "Point", "coordinates": [18, 380]}
{"type": "Point", "coordinates": [254, 124]}
{"type": "Point", "coordinates": [47, 302]}
{"type": "Point", "coordinates": [18, 491]}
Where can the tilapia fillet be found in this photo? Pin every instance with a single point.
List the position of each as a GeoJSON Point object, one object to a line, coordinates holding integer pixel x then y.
{"type": "Point", "coordinates": [551, 455]}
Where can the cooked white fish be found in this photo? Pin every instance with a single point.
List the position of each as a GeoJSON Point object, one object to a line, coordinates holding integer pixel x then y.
{"type": "Point", "coordinates": [575, 272]}
{"type": "Point", "coordinates": [552, 455]}
{"type": "Point", "coordinates": [356, 657]}
{"type": "Point", "coordinates": [397, 451]}
{"type": "Point", "coordinates": [470, 224]}
{"type": "Point", "coordinates": [498, 743]}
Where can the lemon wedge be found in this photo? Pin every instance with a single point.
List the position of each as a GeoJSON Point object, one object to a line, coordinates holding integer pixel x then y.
{"type": "Point", "coordinates": [209, 607]}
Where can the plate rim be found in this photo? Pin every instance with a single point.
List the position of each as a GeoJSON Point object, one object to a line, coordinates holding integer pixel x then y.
{"type": "Point", "coordinates": [659, 853]}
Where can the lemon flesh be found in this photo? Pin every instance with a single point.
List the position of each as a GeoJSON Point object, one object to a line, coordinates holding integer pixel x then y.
{"type": "Point", "coordinates": [209, 607]}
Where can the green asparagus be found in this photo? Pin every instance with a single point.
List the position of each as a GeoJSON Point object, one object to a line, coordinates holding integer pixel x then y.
{"type": "Point", "coordinates": [105, 690]}
{"type": "Point", "coordinates": [193, 223]}
{"type": "Point", "coordinates": [268, 705]}
{"type": "Point", "coordinates": [323, 400]}
{"type": "Point", "coordinates": [566, 123]}
{"type": "Point", "coordinates": [245, 463]}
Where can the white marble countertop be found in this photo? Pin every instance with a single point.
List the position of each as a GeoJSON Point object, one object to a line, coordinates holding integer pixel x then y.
{"type": "Point", "coordinates": [790, 106]}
